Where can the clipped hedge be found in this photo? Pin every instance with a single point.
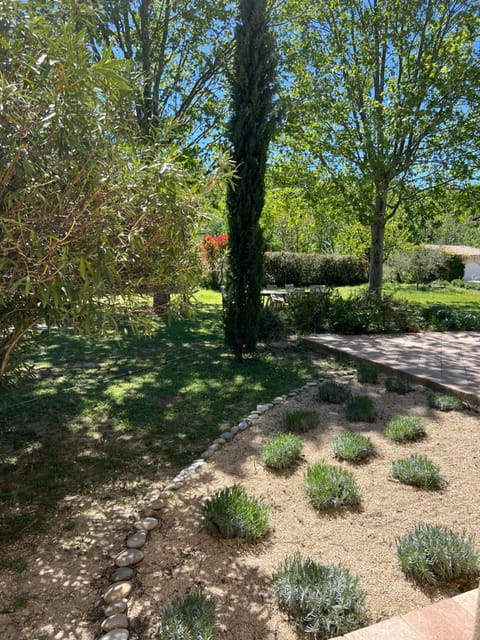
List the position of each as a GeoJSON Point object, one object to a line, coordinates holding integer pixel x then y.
{"type": "Point", "coordinates": [303, 269]}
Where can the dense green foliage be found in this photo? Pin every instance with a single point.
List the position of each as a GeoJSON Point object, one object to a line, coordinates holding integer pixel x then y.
{"type": "Point", "coordinates": [190, 618]}
{"type": "Point", "coordinates": [382, 99]}
{"type": "Point", "coordinates": [405, 428]}
{"type": "Point", "coordinates": [434, 554]}
{"type": "Point", "coordinates": [352, 447]}
{"type": "Point", "coordinates": [321, 600]}
{"type": "Point", "coordinates": [251, 128]}
{"type": "Point", "coordinates": [86, 214]}
{"type": "Point", "coordinates": [282, 451]}
{"type": "Point", "coordinates": [303, 269]}
{"type": "Point", "coordinates": [422, 265]}
{"type": "Point", "coordinates": [231, 513]}
{"type": "Point", "coordinates": [360, 409]}
{"type": "Point", "coordinates": [331, 487]}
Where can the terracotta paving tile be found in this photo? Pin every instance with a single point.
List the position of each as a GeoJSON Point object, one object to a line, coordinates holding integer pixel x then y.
{"type": "Point", "coordinates": [444, 620]}
{"type": "Point", "coordinates": [393, 629]}
{"type": "Point", "coordinates": [468, 600]}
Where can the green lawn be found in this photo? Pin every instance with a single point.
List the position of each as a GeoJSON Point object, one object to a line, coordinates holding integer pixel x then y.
{"type": "Point", "coordinates": [456, 298]}
{"type": "Point", "coordinates": [126, 408]}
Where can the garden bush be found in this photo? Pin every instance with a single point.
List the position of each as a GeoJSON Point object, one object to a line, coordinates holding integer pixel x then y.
{"type": "Point", "coordinates": [300, 421]}
{"type": "Point", "coordinates": [405, 428]}
{"type": "Point", "coordinates": [322, 600]}
{"type": "Point", "coordinates": [303, 269]}
{"type": "Point", "coordinates": [309, 312]}
{"type": "Point", "coordinates": [418, 471]}
{"type": "Point", "coordinates": [433, 554]}
{"type": "Point", "coordinates": [282, 451]}
{"type": "Point", "coordinates": [365, 312]}
{"type": "Point", "coordinates": [360, 409]}
{"type": "Point", "coordinates": [444, 402]}
{"type": "Point", "coordinates": [352, 447]}
{"type": "Point", "coordinates": [422, 265]}
{"type": "Point", "coordinates": [396, 384]}
{"type": "Point", "coordinates": [446, 319]}
{"type": "Point", "coordinates": [330, 487]}
{"type": "Point", "coordinates": [190, 618]}
{"type": "Point", "coordinates": [230, 513]}
{"type": "Point", "coordinates": [333, 392]}
{"type": "Point", "coordinates": [367, 372]}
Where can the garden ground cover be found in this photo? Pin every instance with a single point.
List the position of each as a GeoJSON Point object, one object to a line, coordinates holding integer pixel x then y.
{"type": "Point", "coordinates": [181, 555]}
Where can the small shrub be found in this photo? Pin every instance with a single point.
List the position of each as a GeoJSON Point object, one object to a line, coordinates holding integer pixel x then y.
{"type": "Point", "coordinates": [434, 554]}
{"type": "Point", "coordinates": [322, 600]}
{"type": "Point", "coordinates": [405, 428]}
{"type": "Point", "coordinates": [444, 402]}
{"type": "Point", "coordinates": [329, 487]}
{"type": "Point", "coordinates": [418, 471]}
{"type": "Point", "coordinates": [300, 421]}
{"type": "Point", "coordinates": [282, 451]}
{"type": "Point", "coordinates": [396, 384]}
{"type": "Point", "coordinates": [367, 372]}
{"type": "Point", "coordinates": [189, 618]}
{"type": "Point", "coordinates": [230, 513]}
{"type": "Point", "coordinates": [352, 447]}
{"type": "Point", "coordinates": [333, 392]}
{"type": "Point", "coordinates": [360, 409]}
{"type": "Point", "coordinates": [308, 313]}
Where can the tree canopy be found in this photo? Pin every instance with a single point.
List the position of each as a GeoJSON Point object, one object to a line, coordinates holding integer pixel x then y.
{"type": "Point", "coordinates": [85, 213]}
{"type": "Point", "coordinates": [382, 96]}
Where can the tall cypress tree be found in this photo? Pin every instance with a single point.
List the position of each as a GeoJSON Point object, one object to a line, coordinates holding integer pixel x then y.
{"type": "Point", "coordinates": [251, 128]}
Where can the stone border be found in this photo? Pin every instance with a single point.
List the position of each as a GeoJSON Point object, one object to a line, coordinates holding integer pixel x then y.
{"type": "Point", "coordinates": [115, 623]}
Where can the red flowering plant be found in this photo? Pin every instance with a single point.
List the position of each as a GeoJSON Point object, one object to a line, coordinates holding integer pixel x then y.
{"type": "Point", "coordinates": [214, 252]}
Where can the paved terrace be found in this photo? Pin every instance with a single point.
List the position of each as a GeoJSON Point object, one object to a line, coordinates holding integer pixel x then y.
{"type": "Point", "coordinates": [444, 361]}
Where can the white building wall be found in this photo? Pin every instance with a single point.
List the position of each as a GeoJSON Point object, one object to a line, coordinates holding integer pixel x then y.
{"type": "Point", "coordinates": [472, 271]}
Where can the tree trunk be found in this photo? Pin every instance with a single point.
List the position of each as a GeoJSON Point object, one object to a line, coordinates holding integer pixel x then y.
{"type": "Point", "coordinates": [377, 231]}
{"type": "Point", "coordinates": [161, 302]}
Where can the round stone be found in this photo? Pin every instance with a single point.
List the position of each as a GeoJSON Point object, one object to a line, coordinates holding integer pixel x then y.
{"type": "Point", "coordinates": [227, 436]}
{"type": "Point", "coordinates": [158, 505]}
{"type": "Point", "coordinates": [253, 416]}
{"type": "Point", "coordinates": [129, 557]}
{"type": "Point", "coordinates": [125, 573]}
{"type": "Point", "coordinates": [234, 430]}
{"type": "Point", "coordinates": [115, 607]}
{"type": "Point", "coordinates": [117, 621]}
{"type": "Point", "coordinates": [117, 591]}
{"type": "Point", "coordinates": [312, 383]}
{"type": "Point", "coordinates": [146, 523]}
{"type": "Point", "coordinates": [116, 634]}
{"type": "Point", "coordinates": [208, 454]}
{"type": "Point", "coordinates": [243, 425]}
{"type": "Point", "coordinates": [220, 441]}
{"type": "Point", "coordinates": [138, 540]}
